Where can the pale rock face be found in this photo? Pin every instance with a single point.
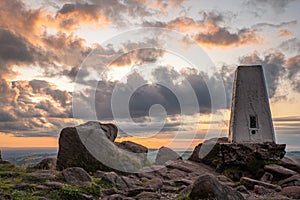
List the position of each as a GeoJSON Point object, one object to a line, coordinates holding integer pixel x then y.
{"type": "Point", "coordinates": [250, 120]}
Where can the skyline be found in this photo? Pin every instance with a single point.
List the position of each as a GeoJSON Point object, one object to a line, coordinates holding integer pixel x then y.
{"type": "Point", "coordinates": [48, 48]}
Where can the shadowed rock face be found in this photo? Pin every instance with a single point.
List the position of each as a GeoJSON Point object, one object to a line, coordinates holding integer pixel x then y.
{"type": "Point", "coordinates": [91, 146]}
{"type": "Point", "coordinates": [239, 160]}
{"type": "Point", "coordinates": [208, 187]}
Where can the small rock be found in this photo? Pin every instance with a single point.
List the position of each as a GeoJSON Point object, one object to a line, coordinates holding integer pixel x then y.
{"type": "Point", "coordinates": [279, 171]}
{"type": "Point", "coordinates": [174, 174]}
{"type": "Point", "coordinates": [147, 196]}
{"type": "Point", "coordinates": [207, 186]}
{"type": "Point", "coordinates": [54, 185]}
{"type": "Point", "coordinates": [115, 179]}
{"type": "Point", "coordinates": [267, 177]}
{"type": "Point", "coordinates": [242, 189]}
{"type": "Point", "coordinates": [154, 184]}
{"type": "Point", "coordinates": [22, 186]}
{"type": "Point", "coordinates": [42, 187]}
{"type": "Point", "coordinates": [262, 190]}
{"type": "Point", "coordinates": [47, 163]}
{"type": "Point", "coordinates": [249, 183]}
{"type": "Point", "coordinates": [291, 191]}
{"type": "Point", "coordinates": [77, 175]}
{"type": "Point", "coordinates": [166, 154]}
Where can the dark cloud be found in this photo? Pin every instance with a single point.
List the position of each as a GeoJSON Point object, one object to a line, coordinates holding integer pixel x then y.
{"type": "Point", "coordinates": [277, 5]}
{"type": "Point", "coordinates": [292, 45]}
{"type": "Point", "coordinates": [277, 26]}
{"type": "Point", "coordinates": [223, 37]}
{"type": "Point", "coordinates": [273, 65]}
{"type": "Point", "coordinates": [276, 67]}
{"type": "Point", "coordinates": [14, 48]}
{"type": "Point", "coordinates": [166, 91]}
{"type": "Point", "coordinates": [293, 66]}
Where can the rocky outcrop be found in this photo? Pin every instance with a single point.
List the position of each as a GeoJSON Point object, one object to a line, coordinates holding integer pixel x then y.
{"type": "Point", "coordinates": [237, 160]}
{"type": "Point", "coordinates": [91, 146]}
{"type": "Point", "coordinates": [165, 155]}
{"type": "Point", "coordinates": [208, 187]}
{"type": "Point", "coordinates": [279, 172]}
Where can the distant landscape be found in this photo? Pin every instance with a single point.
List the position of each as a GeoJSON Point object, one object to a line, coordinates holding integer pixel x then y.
{"type": "Point", "coordinates": [32, 156]}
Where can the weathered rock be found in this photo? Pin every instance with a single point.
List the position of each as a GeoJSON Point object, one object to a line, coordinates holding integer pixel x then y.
{"type": "Point", "coordinates": [147, 196]}
{"type": "Point", "coordinates": [225, 180]}
{"type": "Point", "coordinates": [90, 146]}
{"type": "Point", "coordinates": [290, 164]}
{"type": "Point", "coordinates": [279, 172]}
{"type": "Point", "coordinates": [54, 185]}
{"type": "Point", "coordinates": [209, 152]}
{"type": "Point", "coordinates": [165, 155]}
{"type": "Point", "coordinates": [250, 183]}
{"type": "Point", "coordinates": [76, 175]}
{"type": "Point", "coordinates": [0, 156]}
{"type": "Point", "coordinates": [154, 184]}
{"type": "Point", "coordinates": [191, 168]}
{"type": "Point", "coordinates": [267, 177]}
{"type": "Point", "coordinates": [234, 153]}
{"type": "Point", "coordinates": [291, 191]}
{"type": "Point", "coordinates": [242, 189]}
{"type": "Point", "coordinates": [236, 160]}
{"type": "Point", "coordinates": [174, 174]}
{"type": "Point", "coordinates": [47, 163]}
{"type": "Point", "coordinates": [291, 181]}
{"type": "Point", "coordinates": [116, 180]}
{"type": "Point", "coordinates": [258, 189]}
{"type": "Point", "coordinates": [207, 186]}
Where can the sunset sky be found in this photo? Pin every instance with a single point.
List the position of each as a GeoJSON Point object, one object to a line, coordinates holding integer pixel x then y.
{"type": "Point", "coordinates": [61, 59]}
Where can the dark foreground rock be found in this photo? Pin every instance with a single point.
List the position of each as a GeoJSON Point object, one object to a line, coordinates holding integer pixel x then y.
{"type": "Point", "coordinates": [76, 175]}
{"type": "Point", "coordinates": [208, 187]}
{"type": "Point", "coordinates": [91, 146]}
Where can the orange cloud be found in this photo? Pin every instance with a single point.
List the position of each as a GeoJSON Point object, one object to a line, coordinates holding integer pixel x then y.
{"type": "Point", "coordinates": [285, 33]}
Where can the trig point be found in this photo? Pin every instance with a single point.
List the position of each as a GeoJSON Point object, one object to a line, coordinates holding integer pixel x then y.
{"type": "Point", "coordinates": [250, 120]}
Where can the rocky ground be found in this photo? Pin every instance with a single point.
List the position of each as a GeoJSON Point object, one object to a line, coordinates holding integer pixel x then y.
{"type": "Point", "coordinates": [228, 171]}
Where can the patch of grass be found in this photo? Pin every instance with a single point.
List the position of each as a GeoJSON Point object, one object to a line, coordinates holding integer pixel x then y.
{"type": "Point", "coordinates": [70, 192]}
{"type": "Point", "coordinates": [102, 183]}
{"type": "Point", "coordinates": [184, 197]}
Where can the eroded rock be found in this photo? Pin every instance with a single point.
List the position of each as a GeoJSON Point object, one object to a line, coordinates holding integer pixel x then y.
{"type": "Point", "coordinates": [76, 175]}
{"type": "Point", "coordinates": [207, 186]}
{"type": "Point", "coordinates": [90, 146]}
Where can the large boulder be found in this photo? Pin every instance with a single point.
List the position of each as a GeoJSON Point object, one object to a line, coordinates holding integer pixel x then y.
{"type": "Point", "coordinates": [166, 154]}
{"type": "Point", "coordinates": [91, 147]}
{"type": "Point", "coordinates": [208, 187]}
{"type": "Point", "coordinates": [235, 159]}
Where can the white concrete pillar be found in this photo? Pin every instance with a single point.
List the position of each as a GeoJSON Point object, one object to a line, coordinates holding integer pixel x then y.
{"type": "Point", "coordinates": [250, 120]}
